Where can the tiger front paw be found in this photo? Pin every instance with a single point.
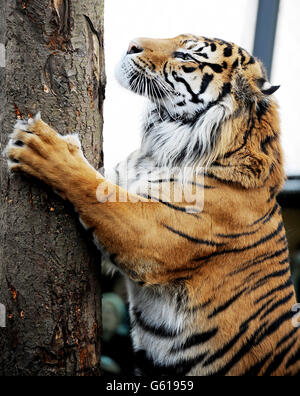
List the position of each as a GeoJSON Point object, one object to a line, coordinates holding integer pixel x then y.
{"type": "Point", "coordinates": [36, 149]}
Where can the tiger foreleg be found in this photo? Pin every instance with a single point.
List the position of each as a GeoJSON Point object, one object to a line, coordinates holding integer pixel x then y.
{"type": "Point", "coordinates": [138, 234]}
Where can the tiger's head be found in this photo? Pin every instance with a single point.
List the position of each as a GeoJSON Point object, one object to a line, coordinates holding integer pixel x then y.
{"type": "Point", "coordinates": [188, 74]}
{"type": "Point", "coordinates": [210, 105]}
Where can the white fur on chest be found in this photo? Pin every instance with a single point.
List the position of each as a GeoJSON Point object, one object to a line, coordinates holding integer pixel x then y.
{"type": "Point", "coordinates": [159, 310]}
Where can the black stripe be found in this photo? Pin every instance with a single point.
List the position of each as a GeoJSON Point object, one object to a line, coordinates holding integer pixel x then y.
{"type": "Point", "coordinates": [246, 138]}
{"type": "Point", "coordinates": [199, 307]}
{"type": "Point", "coordinates": [214, 66]}
{"type": "Point", "coordinates": [251, 61]}
{"type": "Point", "coordinates": [273, 192]}
{"type": "Point", "coordinates": [160, 181]}
{"type": "Point", "coordinates": [243, 58]}
{"type": "Point", "coordinates": [191, 239]}
{"type": "Point", "coordinates": [248, 264]}
{"type": "Point", "coordinates": [265, 143]}
{"type": "Point", "coordinates": [282, 239]}
{"type": "Point", "coordinates": [254, 171]}
{"type": "Point", "coordinates": [235, 64]}
{"type": "Point", "coordinates": [167, 76]}
{"type": "Point", "coordinates": [153, 66]}
{"type": "Point", "coordinates": [257, 313]}
{"type": "Point", "coordinates": [258, 260]}
{"type": "Point", "coordinates": [286, 338]}
{"type": "Point", "coordinates": [227, 304]}
{"type": "Point", "coordinates": [278, 304]}
{"type": "Point", "coordinates": [196, 340]}
{"type": "Point", "coordinates": [261, 218]}
{"type": "Point", "coordinates": [181, 279]}
{"type": "Point", "coordinates": [233, 236]}
{"type": "Point", "coordinates": [228, 51]}
{"type": "Point", "coordinates": [168, 204]}
{"type": "Point", "coordinates": [228, 346]}
{"type": "Point", "coordinates": [286, 285]}
{"type": "Point", "coordinates": [203, 55]}
{"type": "Point", "coordinates": [250, 277]}
{"type": "Point", "coordinates": [222, 42]}
{"type": "Point", "coordinates": [255, 370]}
{"type": "Point", "coordinates": [181, 368]}
{"type": "Point", "coordinates": [294, 359]}
{"type": "Point", "coordinates": [213, 47]}
{"type": "Point", "coordinates": [158, 331]}
{"type": "Point", "coordinates": [246, 348]}
{"type": "Point", "coordinates": [254, 263]}
{"type": "Point", "coordinates": [276, 274]}
{"type": "Point", "coordinates": [273, 212]}
{"type": "Point", "coordinates": [286, 261]}
{"type": "Point", "coordinates": [226, 89]}
{"type": "Point", "coordinates": [278, 359]}
{"type": "Point", "coordinates": [244, 249]}
{"type": "Point", "coordinates": [206, 80]}
{"type": "Point", "coordinates": [262, 108]}
{"type": "Point", "coordinates": [199, 51]}
{"type": "Point", "coordinates": [194, 96]}
{"type": "Point", "coordinates": [274, 326]}
{"type": "Point", "coordinates": [214, 177]}
{"type": "Point", "coordinates": [188, 69]}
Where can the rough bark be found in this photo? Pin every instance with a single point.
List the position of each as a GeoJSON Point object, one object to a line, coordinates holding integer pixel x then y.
{"type": "Point", "coordinates": [49, 274]}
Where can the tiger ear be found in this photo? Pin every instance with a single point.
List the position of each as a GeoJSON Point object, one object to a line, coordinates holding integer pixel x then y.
{"type": "Point", "coordinates": [267, 88]}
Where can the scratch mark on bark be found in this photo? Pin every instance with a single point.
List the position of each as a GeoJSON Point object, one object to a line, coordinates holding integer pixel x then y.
{"type": "Point", "coordinates": [62, 26]}
{"type": "Point", "coordinates": [55, 78]}
{"type": "Point", "coordinates": [96, 63]}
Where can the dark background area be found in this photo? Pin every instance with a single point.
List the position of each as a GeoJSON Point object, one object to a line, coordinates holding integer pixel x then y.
{"type": "Point", "coordinates": [289, 200]}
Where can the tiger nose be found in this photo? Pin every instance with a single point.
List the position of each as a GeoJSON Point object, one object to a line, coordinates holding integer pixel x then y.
{"type": "Point", "coordinates": [134, 48]}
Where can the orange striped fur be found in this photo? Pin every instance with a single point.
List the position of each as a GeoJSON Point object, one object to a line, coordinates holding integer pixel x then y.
{"type": "Point", "coordinates": [210, 292]}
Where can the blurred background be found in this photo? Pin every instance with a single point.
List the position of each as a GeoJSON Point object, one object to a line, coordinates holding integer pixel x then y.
{"type": "Point", "coordinates": [267, 28]}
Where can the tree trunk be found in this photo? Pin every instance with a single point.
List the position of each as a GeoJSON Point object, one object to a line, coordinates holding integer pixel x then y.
{"type": "Point", "coordinates": [51, 59]}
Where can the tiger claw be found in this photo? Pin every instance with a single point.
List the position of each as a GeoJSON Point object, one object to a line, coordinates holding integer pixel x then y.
{"type": "Point", "coordinates": [37, 117]}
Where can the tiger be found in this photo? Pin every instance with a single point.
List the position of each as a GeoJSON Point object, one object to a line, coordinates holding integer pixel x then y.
{"type": "Point", "coordinates": [209, 286]}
